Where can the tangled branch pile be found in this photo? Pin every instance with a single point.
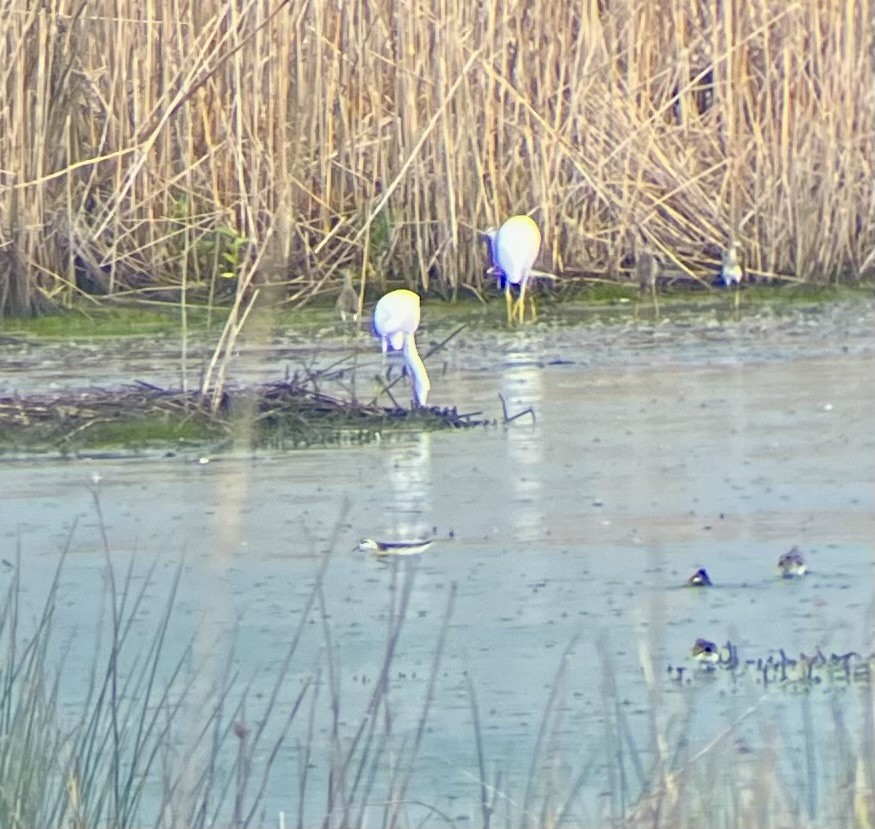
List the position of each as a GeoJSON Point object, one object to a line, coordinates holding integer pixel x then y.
{"type": "Point", "coordinates": [293, 411]}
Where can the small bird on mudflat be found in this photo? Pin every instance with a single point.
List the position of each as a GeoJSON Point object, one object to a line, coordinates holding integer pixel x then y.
{"type": "Point", "coordinates": [646, 268]}
{"type": "Point", "coordinates": [347, 305]}
{"type": "Point", "coordinates": [730, 270]}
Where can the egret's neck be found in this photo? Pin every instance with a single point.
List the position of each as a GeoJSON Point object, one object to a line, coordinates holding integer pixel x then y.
{"type": "Point", "coordinates": [418, 374]}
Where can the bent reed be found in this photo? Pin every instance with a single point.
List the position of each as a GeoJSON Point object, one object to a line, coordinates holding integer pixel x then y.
{"type": "Point", "coordinates": [194, 152]}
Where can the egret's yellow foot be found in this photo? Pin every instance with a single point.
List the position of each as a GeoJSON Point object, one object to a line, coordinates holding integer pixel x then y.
{"type": "Point", "coordinates": [519, 311]}
{"type": "Point", "coordinates": [509, 302]}
{"type": "Point", "coordinates": [521, 303]}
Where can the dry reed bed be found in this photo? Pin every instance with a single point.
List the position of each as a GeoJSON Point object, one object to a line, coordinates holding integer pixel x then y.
{"type": "Point", "coordinates": [157, 147]}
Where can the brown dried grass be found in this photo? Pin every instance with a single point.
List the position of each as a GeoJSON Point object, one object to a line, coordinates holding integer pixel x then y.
{"type": "Point", "coordinates": [152, 147]}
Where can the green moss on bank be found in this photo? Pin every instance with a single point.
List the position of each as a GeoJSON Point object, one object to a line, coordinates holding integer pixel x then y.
{"type": "Point", "coordinates": [90, 320]}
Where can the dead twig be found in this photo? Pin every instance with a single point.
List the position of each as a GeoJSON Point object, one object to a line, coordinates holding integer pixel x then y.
{"type": "Point", "coordinates": [508, 419]}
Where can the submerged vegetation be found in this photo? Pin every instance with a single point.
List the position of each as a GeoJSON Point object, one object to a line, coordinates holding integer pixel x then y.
{"type": "Point", "coordinates": [208, 153]}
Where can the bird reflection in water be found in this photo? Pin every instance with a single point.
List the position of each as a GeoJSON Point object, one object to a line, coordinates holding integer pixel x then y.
{"type": "Point", "coordinates": [523, 386]}
{"type": "Point", "coordinates": [408, 489]}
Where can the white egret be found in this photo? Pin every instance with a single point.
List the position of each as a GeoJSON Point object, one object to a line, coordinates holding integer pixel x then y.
{"type": "Point", "coordinates": [347, 305]}
{"type": "Point", "coordinates": [396, 318]}
{"type": "Point", "coordinates": [646, 271]}
{"type": "Point", "coordinates": [731, 272]}
{"type": "Point", "coordinates": [791, 564]}
{"type": "Point", "coordinates": [392, 548]}
{"type": "Point", "coordinates": [515, 247]}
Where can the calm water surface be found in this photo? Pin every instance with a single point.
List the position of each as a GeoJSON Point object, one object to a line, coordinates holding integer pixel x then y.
{"type": "Point", "coordinates": [653, 452]}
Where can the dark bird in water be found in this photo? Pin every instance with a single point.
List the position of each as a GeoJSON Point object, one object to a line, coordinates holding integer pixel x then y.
{"type": "Point", "coordinates": [705, 651]}
{"type": "Point", "coordinates": [699, 579]}
{"type": "Point", "coordinates": [791, 564]}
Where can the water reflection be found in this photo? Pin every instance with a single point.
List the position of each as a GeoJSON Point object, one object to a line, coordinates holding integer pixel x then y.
{"type": "Point", "coordinates": [522, 386]}
{"type": "Point", "coordinates": [408, 476]}
{"type": "Point", "coordinates": [654, 451]}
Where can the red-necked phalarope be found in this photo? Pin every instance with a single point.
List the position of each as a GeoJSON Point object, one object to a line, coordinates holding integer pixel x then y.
{"type": "Point", "coordinates": [392, 548]}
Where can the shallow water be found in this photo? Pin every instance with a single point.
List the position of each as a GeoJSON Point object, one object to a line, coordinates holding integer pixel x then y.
{"type": "Point", "coordinates": [653, 451]}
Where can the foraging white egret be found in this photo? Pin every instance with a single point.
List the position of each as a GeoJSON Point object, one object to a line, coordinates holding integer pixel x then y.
{"type": "Point", "coordinates": [392, 548]}
{"type": "Point", "coordinates": [515, 247]}
{"type": "Point", "coordinates": [791, 564]}
{"type": "Point", "coordinates": [646, 271]}
{"type": "Point", "coordinates": [347, 305]}
{"type": "Point", "coordinates": [396, 318]}
{"type": "Point", "coordinates": [731, 272]}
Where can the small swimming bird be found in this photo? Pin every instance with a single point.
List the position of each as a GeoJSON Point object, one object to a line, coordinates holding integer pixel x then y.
{"type": "Point", "coordinates": [396, 318]}
{"type": "Point", "coordinates": [699, 579]}
{"type": "Point", "coordinates": [514, 247]}
{"type": "Point", "coordinates": [791, 564]}
{"type": "Point", "coordinates": [392, 548]}
{"type": "Point", "coordinates": [347, 305]}
{"type": "Point", "coordinates": [705, 651]}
